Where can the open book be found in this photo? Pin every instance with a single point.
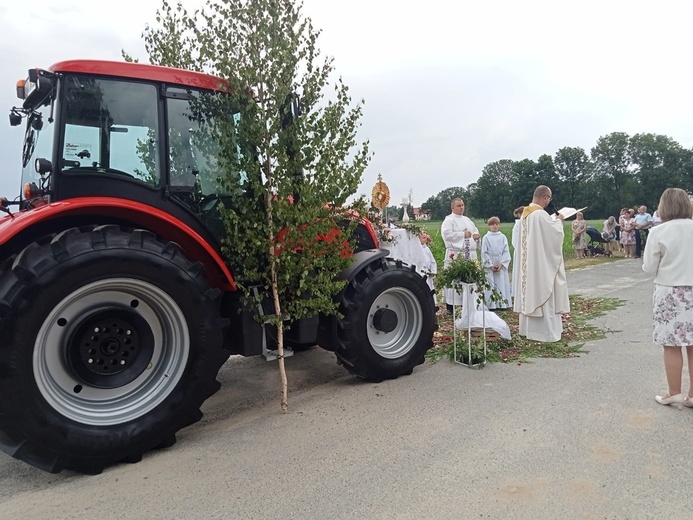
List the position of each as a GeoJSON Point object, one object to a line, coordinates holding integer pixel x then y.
{"type": "Point", "coordinates": [569, 212]}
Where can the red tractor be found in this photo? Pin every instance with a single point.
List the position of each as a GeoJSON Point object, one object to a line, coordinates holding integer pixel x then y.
{"type": "Point", "coordinates": [116, 307]}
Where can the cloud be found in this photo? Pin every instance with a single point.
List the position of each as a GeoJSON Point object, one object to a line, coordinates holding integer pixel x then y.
{"type": "Point", "coordinates": [449, 87]}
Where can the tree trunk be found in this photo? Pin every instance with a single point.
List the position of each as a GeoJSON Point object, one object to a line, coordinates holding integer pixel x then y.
{"type": "Point", "coordinates": [284, 400]}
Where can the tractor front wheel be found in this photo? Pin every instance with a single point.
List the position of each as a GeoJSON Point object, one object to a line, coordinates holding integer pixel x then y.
{"type": "Point", "coordinates": [388, 321]}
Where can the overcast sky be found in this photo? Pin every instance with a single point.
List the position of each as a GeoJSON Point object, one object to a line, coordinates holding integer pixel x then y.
{"type": "Point", "coordinates": [449, 86]}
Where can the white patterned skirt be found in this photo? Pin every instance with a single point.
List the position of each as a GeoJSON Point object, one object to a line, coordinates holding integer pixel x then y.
{"type": "Point", "coordinates": [672, 323]}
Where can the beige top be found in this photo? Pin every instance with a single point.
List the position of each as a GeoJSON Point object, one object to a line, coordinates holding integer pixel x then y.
{"type": "Point", "coordinates": [669, 253]}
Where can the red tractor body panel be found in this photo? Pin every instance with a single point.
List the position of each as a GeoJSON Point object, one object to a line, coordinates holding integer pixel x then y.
{"type": "Point", "coordinates": [141, 71]}
{"type": "Point", "coordinates": [151, 218]}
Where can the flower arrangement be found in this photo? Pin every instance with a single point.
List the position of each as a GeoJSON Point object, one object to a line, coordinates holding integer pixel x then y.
{"type": "Point", "coordinates": [466, 271]}
{"type": "Point", "coordinates": [384, 235]}
{"type": "Point", "coordinates": [413, 228]}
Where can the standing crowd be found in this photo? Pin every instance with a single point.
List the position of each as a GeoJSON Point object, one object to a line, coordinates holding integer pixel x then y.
{"type": "Point", "coordinates": [627, 234]}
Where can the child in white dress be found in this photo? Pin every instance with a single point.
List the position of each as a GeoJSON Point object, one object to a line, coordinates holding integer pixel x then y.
{"type": "Point", "coordinates": [495, 258]}
{"type": "Point", "coordinates": [430, 267]}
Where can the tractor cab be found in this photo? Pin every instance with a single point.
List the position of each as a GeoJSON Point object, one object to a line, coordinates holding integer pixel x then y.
{"type": "Point", "coordinates": [125, 130]}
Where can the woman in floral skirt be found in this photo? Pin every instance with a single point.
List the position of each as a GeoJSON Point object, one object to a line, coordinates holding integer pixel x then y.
{"type": "Point", "coordinates": [668, 257]}
{"type": "Point", "coordinates": [628, 232]}
{"type": "Point", "coordinates": [579, 226]}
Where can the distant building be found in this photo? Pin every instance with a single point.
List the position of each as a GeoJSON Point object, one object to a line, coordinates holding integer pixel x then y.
{"type": "Point", "coordinates": [422, 214]}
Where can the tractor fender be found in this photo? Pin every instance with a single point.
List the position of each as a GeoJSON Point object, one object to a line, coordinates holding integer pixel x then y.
{"type": "Point", "coordinates": [361, 259]}
{"type": "Point", "coordinates": [327, 324]}
{"type": "Point", "coordinates": [140, 215]}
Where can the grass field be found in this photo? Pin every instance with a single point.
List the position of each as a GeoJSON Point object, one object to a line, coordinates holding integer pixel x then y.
{"type": "Point", "coordinates": [438, 248]}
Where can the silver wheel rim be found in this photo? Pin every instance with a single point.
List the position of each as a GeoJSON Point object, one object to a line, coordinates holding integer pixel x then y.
{"type": "Point", "coordinates": [70, 395]}
{"type": "Point", "coordinates": [395, 344]}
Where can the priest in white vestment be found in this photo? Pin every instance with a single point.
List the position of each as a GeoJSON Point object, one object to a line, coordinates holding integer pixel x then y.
{"type": "Point", "coordinates": [459, 236]}
{"type": "Point", "coordinates": [542, 289]}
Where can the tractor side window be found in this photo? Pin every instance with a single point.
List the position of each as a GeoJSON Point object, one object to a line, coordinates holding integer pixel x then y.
{"type": "Point", "coordinates": [198, 165]}
{"type": "Point", "coordinates": [194, 148]}
{"type": "Point", "coordinates": [111, 127]}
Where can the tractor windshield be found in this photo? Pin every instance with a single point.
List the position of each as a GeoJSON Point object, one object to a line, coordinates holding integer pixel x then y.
{"type": "Point", "coordinates": [171, 139]}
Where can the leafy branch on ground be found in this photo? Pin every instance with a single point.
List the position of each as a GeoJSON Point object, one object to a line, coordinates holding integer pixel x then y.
{"type": "Point", "coordinates": [576, 332]}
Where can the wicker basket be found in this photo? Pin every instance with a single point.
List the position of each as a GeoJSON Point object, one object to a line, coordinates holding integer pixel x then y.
{"type": "Point", "coordinates": [491, 335]}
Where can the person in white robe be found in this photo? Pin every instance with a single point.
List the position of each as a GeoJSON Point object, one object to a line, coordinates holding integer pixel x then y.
{"type": "Point", "coordinates": [460, 237]}
{"type": "Point", "coordinates": [429, 266]}
{"type": "Point", "coordinates": [515, 242]}
{"type": "Point", "coordinates": [495, 259]}
{"type": "Point", "coordinates": [542, 288]}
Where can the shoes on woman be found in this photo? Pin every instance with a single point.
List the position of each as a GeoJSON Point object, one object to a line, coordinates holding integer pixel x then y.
{"type": "Point", "coordinates": [677, 400]}
{"type": "Point", "coordinates": [688, 402]}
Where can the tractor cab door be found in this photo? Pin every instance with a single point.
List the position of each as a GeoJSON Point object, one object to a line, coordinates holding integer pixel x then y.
{"type": "Point", "coordinates": [110, 140]}
{"type": "Point", "coordinates": [195, 163]}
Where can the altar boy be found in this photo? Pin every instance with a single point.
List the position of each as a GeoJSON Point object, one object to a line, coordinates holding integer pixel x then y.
{"type": "Point", "coordinates": [495, 258]}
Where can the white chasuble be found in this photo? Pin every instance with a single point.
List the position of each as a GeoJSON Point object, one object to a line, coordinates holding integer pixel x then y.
{"type": "Point", "coordinates": [542, 289]}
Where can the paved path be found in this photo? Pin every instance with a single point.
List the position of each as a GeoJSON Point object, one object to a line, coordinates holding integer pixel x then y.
{"type": "Point", "coordinates": [552, 439]}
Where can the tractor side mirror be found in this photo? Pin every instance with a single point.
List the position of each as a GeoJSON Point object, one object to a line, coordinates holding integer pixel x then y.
{"type": "Point", "coordinates": [15, 118]}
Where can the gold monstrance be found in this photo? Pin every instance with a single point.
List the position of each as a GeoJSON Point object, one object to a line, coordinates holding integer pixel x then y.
{"type": "Point", "coordinates": [381, 194]}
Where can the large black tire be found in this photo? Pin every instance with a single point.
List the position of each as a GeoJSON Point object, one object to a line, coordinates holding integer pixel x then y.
{"type": "Point", "coordinates": [111, 341]}
{"type": "Point", "coordinates": [388, 321]}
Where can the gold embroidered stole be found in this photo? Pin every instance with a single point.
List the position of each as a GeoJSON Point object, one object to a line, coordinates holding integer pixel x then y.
{"type": "Point", "coordinates": [530, 209]}
{"type": "Point", "coordinates": [523, 246]}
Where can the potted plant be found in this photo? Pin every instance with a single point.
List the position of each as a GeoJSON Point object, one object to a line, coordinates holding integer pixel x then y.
{"type": "Point", "coordinates": [466, 271]}
{"type": "Point", "coordinates": [459, 272]}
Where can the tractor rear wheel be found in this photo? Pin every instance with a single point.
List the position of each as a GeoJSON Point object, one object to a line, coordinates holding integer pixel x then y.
{"type": "Point", "coordinates": [388, 321]}
{"type": "Point", "coordinates": [112, 340]}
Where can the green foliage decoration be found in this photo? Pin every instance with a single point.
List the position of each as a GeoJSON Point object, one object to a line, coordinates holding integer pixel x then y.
{"type": "Point", "coordinates": [461, 271]}
{"type": "Point", "coordinates": [289, 153]}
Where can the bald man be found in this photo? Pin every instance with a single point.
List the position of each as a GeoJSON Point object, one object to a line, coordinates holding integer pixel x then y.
{"type": "Point", "coordinates": [541, 290]}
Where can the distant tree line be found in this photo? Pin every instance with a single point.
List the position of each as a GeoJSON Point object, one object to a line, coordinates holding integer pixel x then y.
{"type": "Point", "coordinates": [620, 171]}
